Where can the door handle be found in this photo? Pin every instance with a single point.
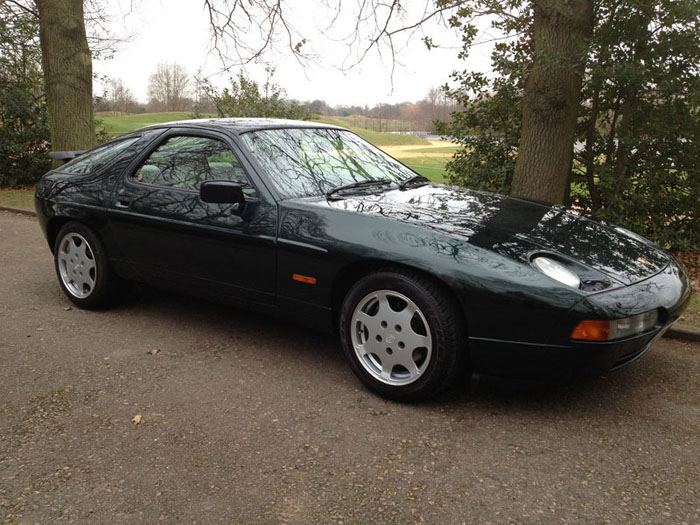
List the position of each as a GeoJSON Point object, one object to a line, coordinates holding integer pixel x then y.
{"type": "Point", "coordinates": [123, 201]}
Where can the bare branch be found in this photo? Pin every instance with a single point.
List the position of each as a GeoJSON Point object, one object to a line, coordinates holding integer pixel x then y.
{"type": "Point", "coordinates": [23, 7]}
{"type": "Point", "coordinates": [242, 31]}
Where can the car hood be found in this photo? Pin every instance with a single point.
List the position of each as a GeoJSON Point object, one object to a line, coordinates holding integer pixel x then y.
{"type": "Point", "coordinates": [493, 221]}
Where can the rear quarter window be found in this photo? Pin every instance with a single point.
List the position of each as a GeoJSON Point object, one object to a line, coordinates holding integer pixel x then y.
{"type": "Point", "coordinates": [98, 157]}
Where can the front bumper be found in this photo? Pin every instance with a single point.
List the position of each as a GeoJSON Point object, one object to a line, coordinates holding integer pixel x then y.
{"type": "Point", "coordinates": [668, 291]}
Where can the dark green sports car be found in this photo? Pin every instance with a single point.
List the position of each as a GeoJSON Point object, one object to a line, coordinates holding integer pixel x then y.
{"type": "Point", "coordinates": [421, 281]}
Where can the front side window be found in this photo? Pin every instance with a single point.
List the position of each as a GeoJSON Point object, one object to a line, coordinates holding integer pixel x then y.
{"type": "Point", "coordinates": [184, 162]}
{"type": "Point", "coordinates": [308, 161]}
{"type": "Point", "coordinates": [98, 157]}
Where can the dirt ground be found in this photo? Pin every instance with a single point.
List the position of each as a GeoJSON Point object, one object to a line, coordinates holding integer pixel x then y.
{"type": "Point", "coordinates": [246, 420]}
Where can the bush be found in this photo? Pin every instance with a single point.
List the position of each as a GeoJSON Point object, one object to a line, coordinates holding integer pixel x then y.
{"type": "Point", "coordinates": [24, 137]}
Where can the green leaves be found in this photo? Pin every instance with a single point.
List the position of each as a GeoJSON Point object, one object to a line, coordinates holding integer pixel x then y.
{"type": "Point", "coordinates": [637, 145]}
{"type": "Point", "coordinates": [24, 132]}
{"type": "Point", "coordinates": [24, 137]}
{"type": "Point", "coordinates": [244, 98]}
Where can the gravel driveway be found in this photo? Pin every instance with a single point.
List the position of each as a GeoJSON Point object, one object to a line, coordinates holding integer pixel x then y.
{"type": "Point", "coordinates": [246, 420]}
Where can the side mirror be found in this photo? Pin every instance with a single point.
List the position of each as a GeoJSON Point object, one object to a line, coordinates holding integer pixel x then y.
{"type": "Point", "coordinates": [223, 192]}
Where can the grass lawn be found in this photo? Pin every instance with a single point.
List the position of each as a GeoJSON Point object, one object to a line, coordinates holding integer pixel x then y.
{"type": "Point", "coordinates": [118, 125]}
{"type": "Point", "coordinates": [380, 138]}
{"type": "Point", "coordinates": [123, 124]}
{"type": "Point", "coordinates": [363, 122]}
{"type": "Point", "coordinates": [433, 168]}
{"type": "Point", "coordinates": [448, 150]}
{"type": "Point", "coordinates": [691, 316]}
{"type": "Point", "coordinates": [17, 198]}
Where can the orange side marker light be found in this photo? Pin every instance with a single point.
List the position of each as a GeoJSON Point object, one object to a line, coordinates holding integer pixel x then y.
{"type": "Point", "coordinates": [304, 278]}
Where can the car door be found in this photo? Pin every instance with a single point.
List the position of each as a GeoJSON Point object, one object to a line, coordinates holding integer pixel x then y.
{"type": "Point", "coordinates": [168, 235]}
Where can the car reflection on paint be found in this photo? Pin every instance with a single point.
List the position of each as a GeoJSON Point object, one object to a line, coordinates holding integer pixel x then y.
{"type": "Point", "coordinates": [421, 281]}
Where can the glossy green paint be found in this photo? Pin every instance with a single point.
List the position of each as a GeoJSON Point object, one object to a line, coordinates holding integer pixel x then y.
{"type": "Point", "coordinates": [478, 245]}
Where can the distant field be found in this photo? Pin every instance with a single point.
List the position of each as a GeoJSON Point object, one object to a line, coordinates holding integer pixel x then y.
{"type": "Point", "coordinates": [432, 168]}
{"type": "Point", "coordinates": [426, 157]}
{"type": "Point", "coordinates": [363, 127]}
{"type": "Point", "coordinates": [448, 150]}
{"type": "Point", "coordinates": [118, 125]}
{"type": "Point", "coordinates": [435, 149]}
{"type": "Point", "coordinates": [125, 123]}
{"type": "Point", "coordinates": [361, 121]}
{"type": "Point", "coordinates": [379, 138]}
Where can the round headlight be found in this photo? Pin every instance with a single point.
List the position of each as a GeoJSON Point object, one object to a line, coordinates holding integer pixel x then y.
{"type": "Point", "coordinates": [556, 271]}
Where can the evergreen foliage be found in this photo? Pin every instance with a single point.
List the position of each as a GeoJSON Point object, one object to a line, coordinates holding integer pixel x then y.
{"type": "Point", "coordinates": [24, 131]}
{"type": "Point", "coordinates": [637, 147]}
{"type": "Point", "coordinates": [244, 98]}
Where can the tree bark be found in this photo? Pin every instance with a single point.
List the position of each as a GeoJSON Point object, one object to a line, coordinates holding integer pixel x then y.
{"type": "Point", "coordinates": [551, 96]}
{"type": "Point", "coordinates": [67, 65]}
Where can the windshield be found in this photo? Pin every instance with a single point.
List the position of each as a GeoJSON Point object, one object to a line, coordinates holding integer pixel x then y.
{"type": "Point", "coordinates": [304, 161]}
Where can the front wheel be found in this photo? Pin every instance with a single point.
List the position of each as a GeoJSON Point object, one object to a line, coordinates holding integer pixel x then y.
{"type": "Point", "coordinates": [403, 335]}
{"type": "Point", "coordinates": [82, 267]}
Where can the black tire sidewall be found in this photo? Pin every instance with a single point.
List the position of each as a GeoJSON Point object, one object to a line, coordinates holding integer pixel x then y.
{"type": "Point", "coordinates": [447, 339]}
{"type": "Point", "coordinates": [104, 284]}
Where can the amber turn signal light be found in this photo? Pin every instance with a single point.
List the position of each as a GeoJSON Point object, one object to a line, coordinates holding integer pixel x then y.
{"type": "Point", "coordinates": [592, 330]}
{"type": "Point", "coordinates": [304, 278]}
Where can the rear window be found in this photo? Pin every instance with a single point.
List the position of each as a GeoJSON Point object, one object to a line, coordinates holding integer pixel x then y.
{"type": "Point", "coordinates": [98, 157]}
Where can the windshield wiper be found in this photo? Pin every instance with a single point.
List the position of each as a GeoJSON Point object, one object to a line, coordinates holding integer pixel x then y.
{"type": "Point", "coordinates": [413, 179]}
{"type": "Point", "coordinates": [360, 184]}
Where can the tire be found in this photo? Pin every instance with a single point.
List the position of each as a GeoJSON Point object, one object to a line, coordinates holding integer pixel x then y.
{"type": "Point", "coordinates": [83, 268]}
{"type": "Point", "coordinates": [404, 336]}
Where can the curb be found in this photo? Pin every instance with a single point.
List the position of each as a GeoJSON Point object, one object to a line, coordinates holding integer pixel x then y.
{"type": "Point", "coordinates": [21, 211]}
{"type": "Point", "coordinates": [685, 334]}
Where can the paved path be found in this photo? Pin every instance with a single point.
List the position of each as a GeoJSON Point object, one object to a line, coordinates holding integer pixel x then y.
{"type": "Point", "coordinates": [245, 420]}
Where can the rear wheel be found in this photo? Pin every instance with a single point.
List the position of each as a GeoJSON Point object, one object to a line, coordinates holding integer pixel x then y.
{"type": "Point", "coordinates": [82, 267]}
{"type": "Point", "coordinates": [403, 335]}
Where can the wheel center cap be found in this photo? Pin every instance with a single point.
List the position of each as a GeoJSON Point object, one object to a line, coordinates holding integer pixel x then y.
{"type": "Point", "coordinates": [390, 338]}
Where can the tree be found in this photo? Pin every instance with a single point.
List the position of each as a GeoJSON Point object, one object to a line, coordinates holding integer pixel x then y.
{"type": "Point", "coordinates": [66, 51]}
{"type": "Point", "coordinates": [169, 88]}
{"type": "Point", "coordinates": [638, 120]}
{"type": "Point", "coordinates": [557, 32]}
{"type": "Point", "coordinates": [67, 68]}
{"type": "Point", "coordinates": [560, 33]}
{"type": "Point", "coordinates": [118, 97]}
{"type": "Point", "coordinates": [24, 132]}
{"type": "Point", "coordinates": [244, 98]}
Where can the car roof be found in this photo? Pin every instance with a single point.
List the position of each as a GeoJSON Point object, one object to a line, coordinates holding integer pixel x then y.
{"type": "Point", "coordinates": [242, 125]}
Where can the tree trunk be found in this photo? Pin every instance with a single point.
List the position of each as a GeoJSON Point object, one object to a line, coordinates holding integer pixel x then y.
{"type": "Point", "coordinates": [550, 99]}
{"type": "Point", "coordinates": [67, 65]}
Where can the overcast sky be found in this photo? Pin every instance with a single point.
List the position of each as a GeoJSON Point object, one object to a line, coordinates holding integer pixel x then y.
{"type": "Point", "coordinates": [178, 31]}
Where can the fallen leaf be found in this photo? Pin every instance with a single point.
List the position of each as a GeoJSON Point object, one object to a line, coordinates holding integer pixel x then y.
{"type": "Point", "coordinates": [136, 419]}
{"type": "Point", "coordinates": [67, 308]}
{"type": "Point", "coordinates": [154, 351]}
